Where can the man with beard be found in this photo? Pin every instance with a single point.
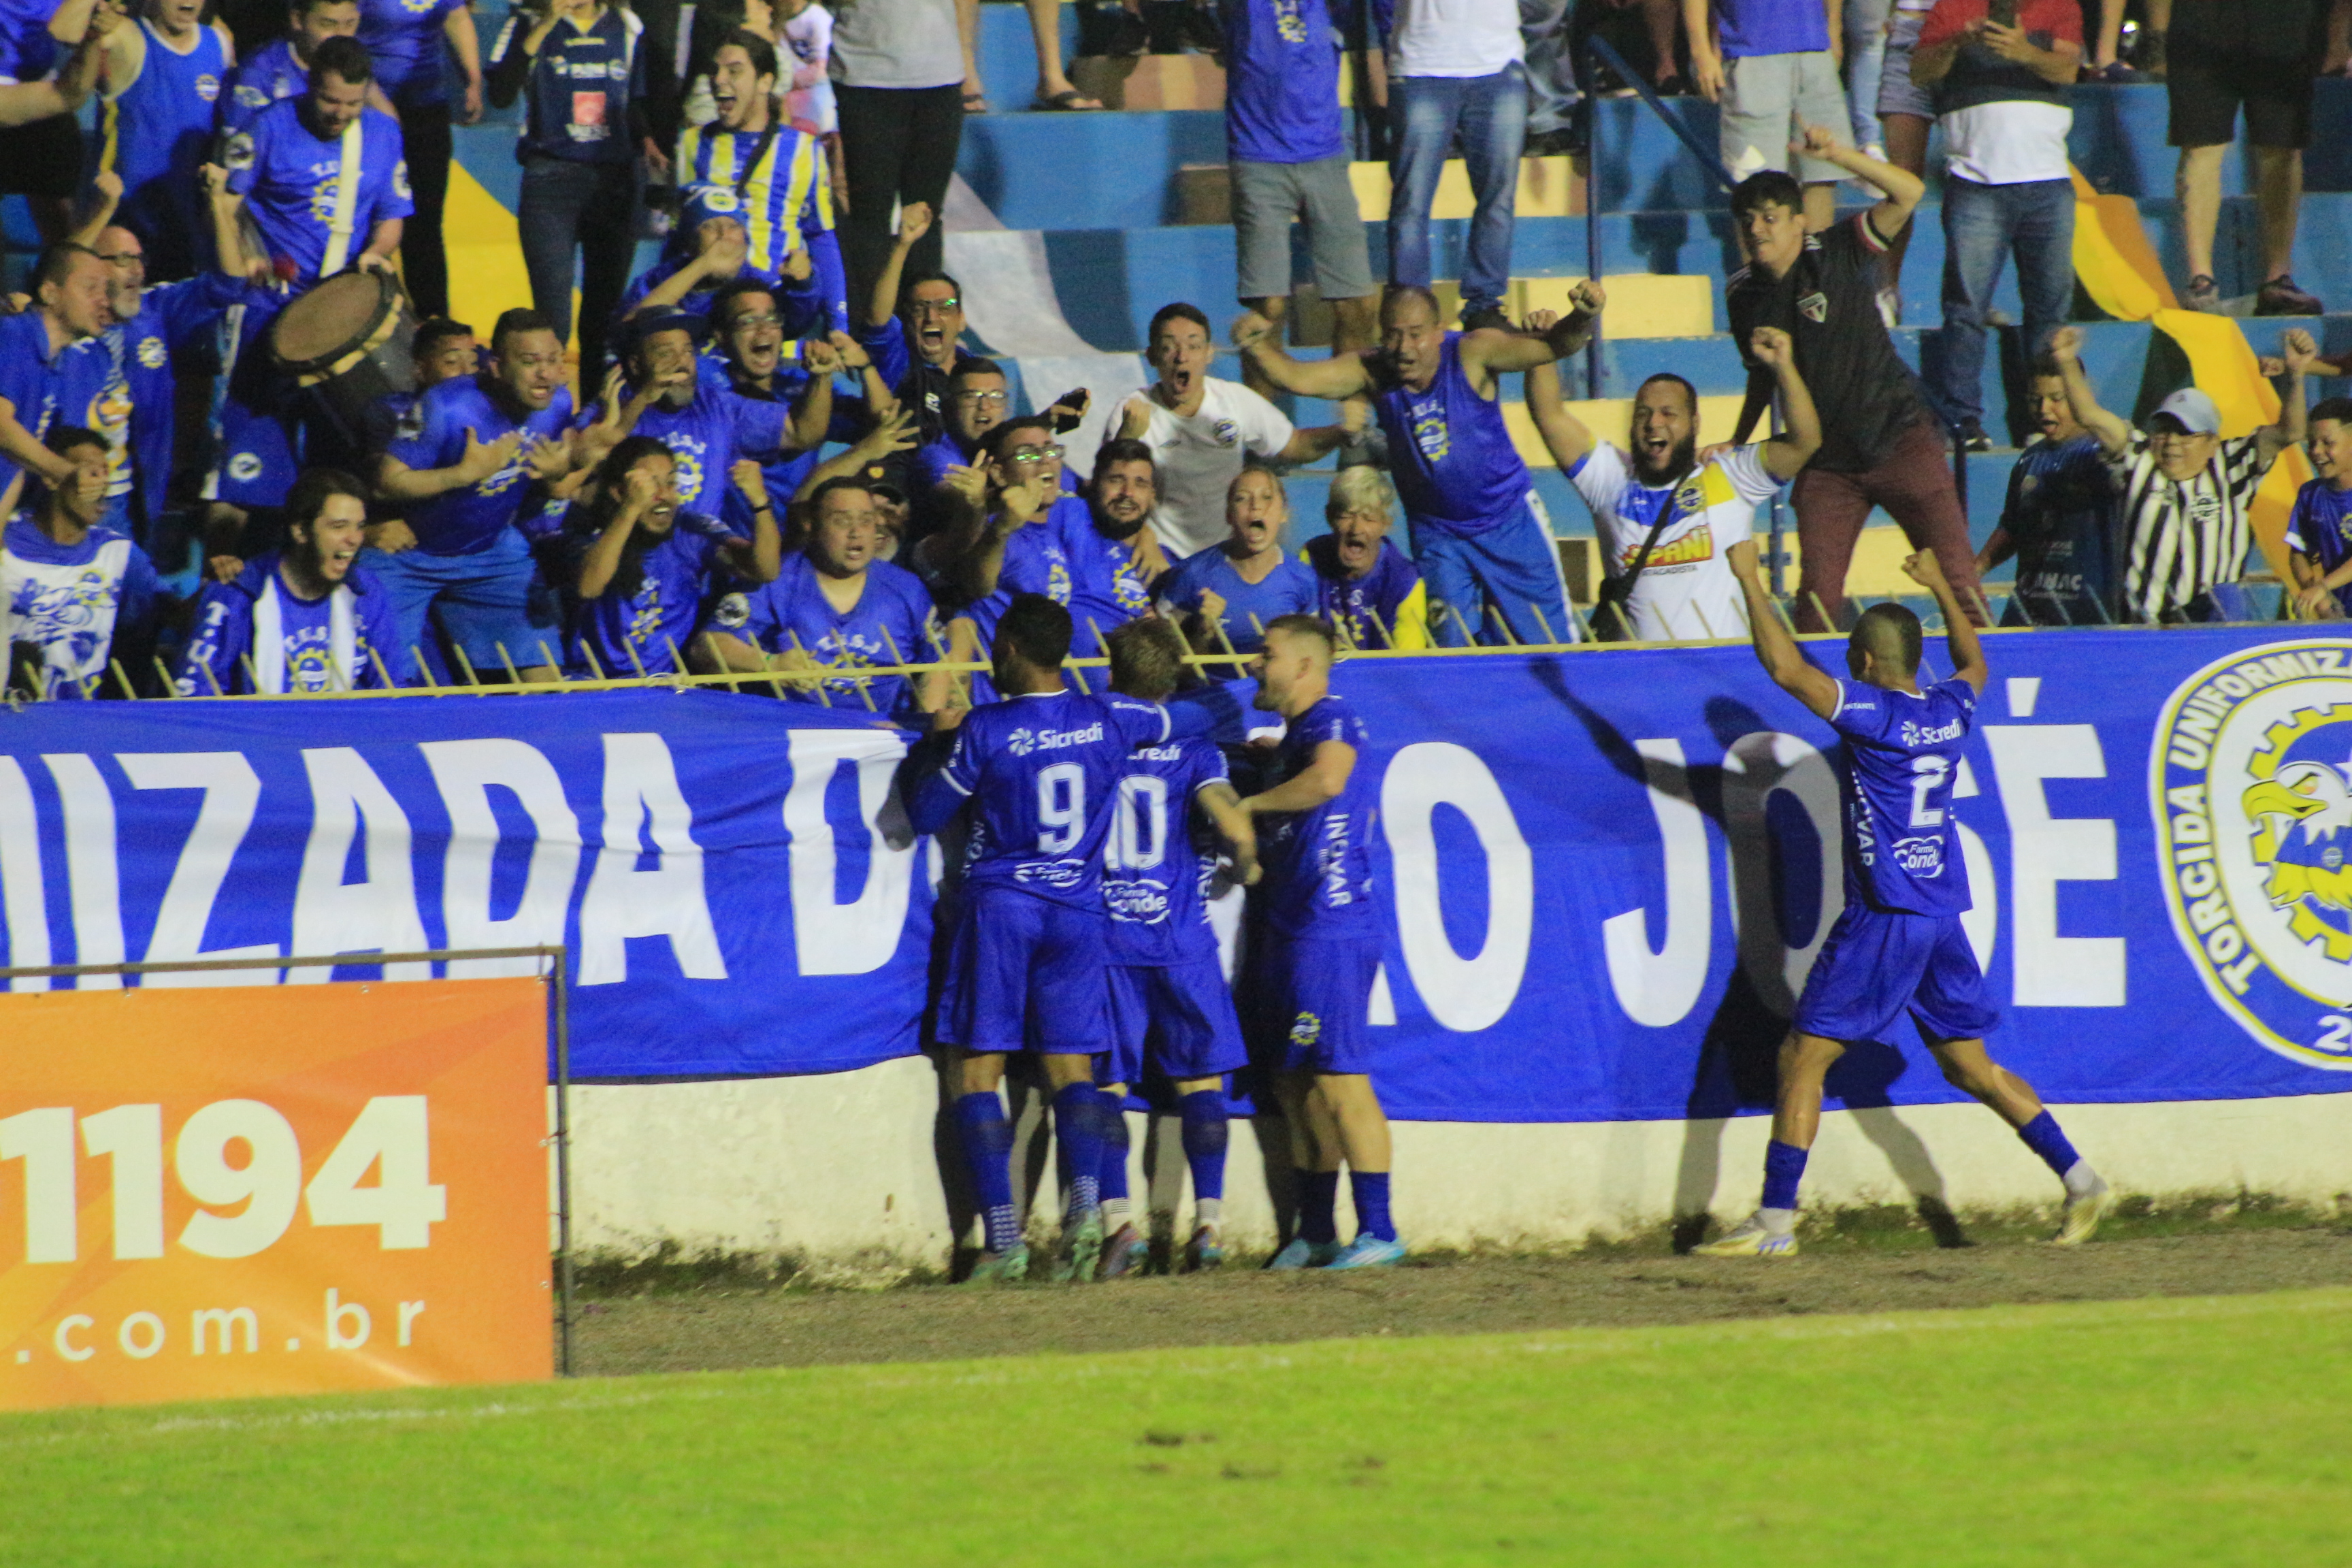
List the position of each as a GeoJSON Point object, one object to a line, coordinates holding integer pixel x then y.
{"type": "Point", "coordinates": [1114, 558]}
{"type": "Point", "coordinates": [2062, 519]}
{"type": "Point", "coordinates": [1011, 521]}
{"type": "Point", "coordinates": [1665, 520]}
{"type": "Point", "coordinates": [1367, 590]}
{"type": "Point", "coordinates": [778, 174]}
{"type": "Point", "coordinates": [306, 619]}
{"type": "Point", "coordinates": [835, 606]}
{"type": "Point", "coordinates": [641, 566]}
{"type": "Point", "coordinates": [323, 174]}
{"type": "Point", "coordinates": [1202, 429]}
{"type": "Point", "coordinates": [280, 68]}
{"type": "Point", "coordinates": [462, 465]}
{"type": "Point", "coordinates": [710, 249]}
{"type": "Point", "coordinates": [1479, 534]}
{"type": "Point", "coordinates": [68, 306]}
{"type": "Point", "coordinates": [671, 400]}
{"type": "Point", "coordinates": [70, 587]}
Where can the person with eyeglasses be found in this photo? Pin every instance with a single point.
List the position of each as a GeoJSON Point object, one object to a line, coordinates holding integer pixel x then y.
{"type": "Point", "coordinates": [914, 328]}
{"type": "Point", "coordinates": [1008, 535]}
{"type": "Point", "coordinates": [978, 399]}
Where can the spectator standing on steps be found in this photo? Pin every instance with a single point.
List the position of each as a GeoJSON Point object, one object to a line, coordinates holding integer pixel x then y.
{"type": "Point", "coordinates": [2186, 490]}
{"type": "Point", "coordinates": [1456, 70]}
{"type": "Point", "coordinates": [1773, 66]}
{"type": "Point", "coordinates": [899, 69]}
{"type": "Point", "coordinates": [2262, 54]}
{"type": "Point", "coordinates": [2001, 97]}
{"type": "Point", "coordinates": [1288, 153]}
{"type": "Point", "coordinates": [404, 39]}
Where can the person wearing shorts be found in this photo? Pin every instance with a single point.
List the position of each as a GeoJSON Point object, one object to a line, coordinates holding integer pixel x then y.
{"type": "Point", "coordinates": [1907, 113]}
{"type": "Point", "coordinates": [2264, 56]}
{"type": "Point", "coordinates": [1287, 157]}
{"type": "Point", "coordinates": [1767, 63]}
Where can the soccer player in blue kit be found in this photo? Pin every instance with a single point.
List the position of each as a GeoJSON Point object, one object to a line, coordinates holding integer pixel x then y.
{"type": "Point", "coordinates": [1310, 974]}
{"type": "Point", "coordinates": [1480, 536]}
{"type": "Point", "coordinates": [1898, 947]}
{"type": "Point", "coordinates": [1169, 1000]}
{"type": "Point", "coordinates": [1028, 965]}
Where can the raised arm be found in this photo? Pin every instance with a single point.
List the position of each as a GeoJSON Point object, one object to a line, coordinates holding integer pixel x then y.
{"type": "Point", "coordinates": [1488, 353]}
{"type": "Point", "coordinates": [1776, 647]}
{"type": "Point", "coordinates": [2301, 354]}
{"type": "Point", "coordinates": [1341, 376]}
{"type": "Point", "coordinates": [914, 222]}
{"type": "Point", "coordinates": [2115, 433]}
{"type": "Point", "coordinates": [1903, 189]}
{"type": "Point", "coordinates": [603, 557]}
{"type": "Point", "coordinates": [1786, 453]}
{"type": "Point", "coordinates": [1564, 434]}
{"type": "Point", "coordinates": [395, 481]}
{"type": "Point", "coordinates": [465, 45]}
{"type": "Point", "coordinates": [1959, 632]}
{"type": "Point", "coordinates": [760, 558]}
{"type": "Point", "coordinates": [893, 435]}
{"type": "Point", "coordinates": [106, 194]}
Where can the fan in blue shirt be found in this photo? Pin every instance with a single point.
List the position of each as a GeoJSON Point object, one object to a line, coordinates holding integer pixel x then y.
{"type": "Point", "coordinates": [1898, 947]}
{"type": "Point", "coordinates": [1027, 967]}
{"type": "Point", "coordinates": [641, 568]}
{"type": "Point", "coordinates": [163, 76]}
{"type": "Point", "coordinates": [1016, 545]}
{"type": "Point", "coordinates": [1282, 82]}
{"type": "Point", "coordinates": [1366, 588]}
{"type": "Point", "coordinates": [280, 68]}
{"type": "Point", "coordinates": [1228, 595]}
{"type": "Point", "coordinates": [1170, 1004]}
{"type": "Point", "coordinates": [72, 592]}
{"type": "Point", "coordinates": [1114, 558]}
{"type": "Point", "coordinates": [669, 397]}
{"type": "Point", "coordinates": [290, 164]}
{"type": "Point", "coordinates": [462, 466]}
{"type": "Point", "coordinates": [2062, 519]}
{"type": "Point", "coordinates": [710, 249]}
{"type": "Point", "coordinates": [70, 289]}
{"type": "Point", "coordinates": [2319, 532]}
{"type": "Point", "coordinates": [835, 607]}
{"type": "Point", "coordinates": [307, 619]}
{"type": "Point", "coordinates": [1309, 986]}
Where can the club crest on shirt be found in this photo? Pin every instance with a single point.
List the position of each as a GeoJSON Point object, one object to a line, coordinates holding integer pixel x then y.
{"type": "Point", "coordinates": [400, 180]}
{"type": "Point", "coordinates": [1224, 433]}
{"type": "Point", "coordinates": [732, 612]}
{"type": "Point", "coordinates": [1307, 1030]}
{"type": "Point", "coordinates": [208, 87]}
{"type": "Point", "coordinates": [245, 466]}
{"type": "Point", "coordinates": [2251, 785]}
{"type": "Point", "coordinates": [1814, 306]}
{"type": "Point", "coordinates": [239, 153]}
{"type": "Point", "coordinates": [151, 353]}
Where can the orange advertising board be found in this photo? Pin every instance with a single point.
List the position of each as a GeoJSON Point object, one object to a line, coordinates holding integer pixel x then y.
{"type": "Point", "coordinates": [291, 1189]}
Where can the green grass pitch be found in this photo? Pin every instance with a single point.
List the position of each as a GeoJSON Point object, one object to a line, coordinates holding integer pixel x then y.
{"type": "Point", "coordinates": [2204, 1431]}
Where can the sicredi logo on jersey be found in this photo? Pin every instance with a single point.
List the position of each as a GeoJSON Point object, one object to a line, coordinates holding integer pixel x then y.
{"type": "Point", "coordinates": [1023, 741]}
{"type": "Point", "coordinates": [2251, 784]}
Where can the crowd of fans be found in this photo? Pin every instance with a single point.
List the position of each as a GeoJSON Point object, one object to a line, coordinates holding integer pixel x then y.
{"type": "Point", "coordinates": [778, 458]}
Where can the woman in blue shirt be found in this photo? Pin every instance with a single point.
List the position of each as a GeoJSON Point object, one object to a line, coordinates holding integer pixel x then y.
{"type": "Point", "coordinates": [578, 65]}
{"type": "Point", "coordinates": [1224, 597]}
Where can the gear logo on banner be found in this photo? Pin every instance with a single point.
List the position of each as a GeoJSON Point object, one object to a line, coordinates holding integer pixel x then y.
{"type": "Point", "coordinates": [2250, 783]}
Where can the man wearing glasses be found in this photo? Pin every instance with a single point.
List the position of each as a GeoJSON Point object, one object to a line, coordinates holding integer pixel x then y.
{"type": "Point", "coordinates": [914, 339]}
{"type": "Point", "coordinates": [977, 400]}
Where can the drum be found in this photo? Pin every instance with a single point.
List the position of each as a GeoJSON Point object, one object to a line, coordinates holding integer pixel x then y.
{"type": "Point", "coordinates": [346, 344]}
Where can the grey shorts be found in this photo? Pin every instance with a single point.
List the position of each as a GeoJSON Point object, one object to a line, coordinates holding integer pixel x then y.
{"type": "Point", "coordinates": [1266, 197]}
{"type": "Point", "coordinates": [1768, 101]}
{"type": "Point", "coordinates": [1897, 93]}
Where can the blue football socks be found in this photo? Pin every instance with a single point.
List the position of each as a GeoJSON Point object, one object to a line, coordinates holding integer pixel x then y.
{"type": "Point", "coordinates": [1371, 1191]}
{"type": "Point", "coordinates": [1112, 1170]}
{"type": "Point", "coordinates": [2041, 1136]}
{"type": "Point", "coordinates": [1318, 1196]}
{"type": "Point", "coordinates": [1077, 1127]}
{"type": "Point", "coordinates": [1784, 1168]}
{"type": "Point", "coordinates": [988, 1153]}
{"type": "Point", "coordinates": [1204, 1149]}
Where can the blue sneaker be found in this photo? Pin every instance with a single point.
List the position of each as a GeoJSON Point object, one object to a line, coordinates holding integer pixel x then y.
{"type": "Point", "coordinates": [1304, 1254]}
{"type": "Point", "coordinates": [1369, 1251]}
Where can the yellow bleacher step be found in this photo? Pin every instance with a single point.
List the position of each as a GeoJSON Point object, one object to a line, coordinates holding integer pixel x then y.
{"type": "Point", "coordinates": [1548, 187]}
{"type": "Point", "coordinates": [1641, 304]}
{"type": "Point", "coordinates": [1609, 419]}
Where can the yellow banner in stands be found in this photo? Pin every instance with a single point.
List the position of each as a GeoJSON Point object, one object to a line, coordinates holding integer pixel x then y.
{"type": "Point", "coordinates": [2112, 258]}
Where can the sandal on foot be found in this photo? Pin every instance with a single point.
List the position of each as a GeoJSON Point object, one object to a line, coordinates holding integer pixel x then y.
{"type": "Point", "coordinates": [1069, 100]}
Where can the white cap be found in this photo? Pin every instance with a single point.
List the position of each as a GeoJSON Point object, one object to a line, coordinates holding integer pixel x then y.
{"type": "Point", "coordinates": [2193, 410]}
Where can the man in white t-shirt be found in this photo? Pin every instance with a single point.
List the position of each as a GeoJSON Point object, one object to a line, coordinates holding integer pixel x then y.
{"type": "Point", "coordinates": [1202, 429]}
{"type": "Point", "coordinates": [2000, 100]}
{"type": "Point", "coordinates": [1666, 519]}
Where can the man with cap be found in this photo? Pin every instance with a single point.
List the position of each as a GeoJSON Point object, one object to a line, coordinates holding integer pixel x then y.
{"type": "Point", "coordinates": [2186, 490]}
{"type": "Point", "coordinates": [710, 249]}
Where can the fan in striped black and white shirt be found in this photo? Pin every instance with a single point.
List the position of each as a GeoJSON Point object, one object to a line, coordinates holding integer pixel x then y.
{"type": "Point", "coordinates": [2186, 490]}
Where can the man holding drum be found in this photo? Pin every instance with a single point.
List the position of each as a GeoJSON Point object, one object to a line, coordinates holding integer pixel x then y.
{"type": "Point", "coordinates": [323, 174]}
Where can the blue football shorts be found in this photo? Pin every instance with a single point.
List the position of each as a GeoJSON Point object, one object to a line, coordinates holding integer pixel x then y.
{"type": "Point", "coordinates": [1312, 1000]}
{"type": "Point", "coordinates": [1024, 973]}
{"type": "Point", "coordinates": [1878, 964]}
{"type": "Point", "coordinates": [1510, 567]}
{"type": "Point", "coordinates": [1178, 1017]}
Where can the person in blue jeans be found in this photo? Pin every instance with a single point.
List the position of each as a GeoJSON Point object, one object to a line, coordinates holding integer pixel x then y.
{"type": "Point", "coordinates": [1457, 66]}
{"type": "Point", "coordinates": [2000, 100]}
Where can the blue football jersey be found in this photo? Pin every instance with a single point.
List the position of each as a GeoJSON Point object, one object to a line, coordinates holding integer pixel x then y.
{"type": "Point", "coordinates": [272, 73]}
{"type": "Point", "coordinates": [701, 439]}
{"type": "Point", "coordinates": [1288, 590]}
{"type": "Point", "coordinates": [1108, 585]}
{"type": "Point", "coordinates": [634, 626]}
{"type": "Point", "coordinates": [291, 179]}
{"type": "Point", "coordinates": [1161, 857]}
{"type": "Point", "coordinates": [890, 623]}
{"type": "Point", "coordinates": [2321, 528]}
{"type": "Point", "coordinates": [1042, 772]}
{"type": "Point", "coordinates": [1456, 469]}
{"type": "Point", "coordinates": [432, 435]}
{"type": "Point", "coordinates": [1318, 863]}
{"type": "Point", "coordinates": [1902, 754]}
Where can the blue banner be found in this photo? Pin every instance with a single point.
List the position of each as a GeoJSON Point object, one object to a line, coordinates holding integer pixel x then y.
{"type": "Point", "coordinates": [1609, 872]}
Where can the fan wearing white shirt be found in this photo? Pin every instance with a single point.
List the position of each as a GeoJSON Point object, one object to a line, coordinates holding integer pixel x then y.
{"type": "Point", "coordinates": [1202, 430]}
{"type": "Point", "coordinates": [1667, 517]}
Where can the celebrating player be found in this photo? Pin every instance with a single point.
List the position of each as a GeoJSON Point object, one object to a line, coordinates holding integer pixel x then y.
{"type": "Point", "coordinates": [1167, 986]}
{"type": "Point", "coordinates": [1311, 976]}
{"type": "Point", "coordinates": [1026, 970]}
{"type": "Point", "coordinates": [1898, 947]}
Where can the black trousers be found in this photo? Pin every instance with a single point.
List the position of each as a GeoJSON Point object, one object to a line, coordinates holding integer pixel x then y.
{"type": "Point", "coordinates": [424, 264]}
{"type": "Point", "coordinates": [897, 144]}
{"type": "Point", "coordinates": [589, 209]}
